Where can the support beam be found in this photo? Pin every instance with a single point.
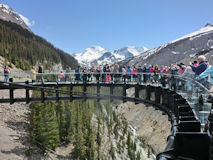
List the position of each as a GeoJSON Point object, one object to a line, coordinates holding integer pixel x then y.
{"type": "Point", "coordinates": [137, 88]}
{"type": "Point", "coordinates": [124, 92]}
{"type": "Point", "coordinates": [57, 92]}
{"type": "Point", "coordinates": [85, 87]}
{"type": "Point", "coordinates": [98, 90]}
{"type": "Point", "coordinates": [148, 93]}
{"type": "Point", "coordinates": [158, 92]}
{"type": "Point", "coordinates": [71, 88]}
{"type": "Point", "coordinates": [11, 91]}
{"type": "Point", "coordinates": [42, 93]}
{"type": "Point", "coordinates": [27, 93]}
{"type": "Point", "coordinates": [165, 97]}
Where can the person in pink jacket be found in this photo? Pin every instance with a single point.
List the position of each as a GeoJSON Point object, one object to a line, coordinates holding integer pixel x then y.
{"type": "Point", "coordinates": [134, 73]}
{"type": "Point", "coordinates": [61, 75]}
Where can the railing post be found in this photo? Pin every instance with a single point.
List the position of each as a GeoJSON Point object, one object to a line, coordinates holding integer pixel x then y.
{"type": "Point", "coordinates": [57, 93]}
{"type": "Point", "coordinates": [11, 91]}
{"type": "Point", "coordinates": [85, 89]}
{"type": "Point", "coordinates": [124, 92]}
{"type": "Point", "coordinates": [71, 87]}
{"type": "Point", "coordinates": [27, 93]}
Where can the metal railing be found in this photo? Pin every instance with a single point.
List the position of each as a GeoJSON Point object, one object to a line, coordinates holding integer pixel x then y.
{"type": "Point", "coordinates": [184, 99]}
{"type": "Point", "coordinates": [195, 92]}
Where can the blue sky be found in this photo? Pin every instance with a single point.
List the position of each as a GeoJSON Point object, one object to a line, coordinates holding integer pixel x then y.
{"type": "Point", "coordinates": [73, 25]}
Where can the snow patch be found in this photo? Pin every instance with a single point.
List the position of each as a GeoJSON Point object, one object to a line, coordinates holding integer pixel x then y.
{"type": "Point", "coordinates": [196, 34]}
{"type": "Point", "coordinates": [192, 55]}
{"type": "Point", "coordinates": [18, 18]}
{"type": "Point", "coordinates": [209, 41]}
{"type": "Point", "coordinates": [26, 20]}
{"type": "Point", "coordinates": [173, 52]}
{"type": "Point", "coordinates": [5, 6]}
{"type": "Point", "coordinates": [5, 10]}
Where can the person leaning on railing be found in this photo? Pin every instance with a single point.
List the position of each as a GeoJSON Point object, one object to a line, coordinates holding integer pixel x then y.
{"type": "Point", "coordinates": [6, 74]}
{"type": "Point", "coordinates": [40, 71]}
{"type": "Point", "coordinates": [202, 66]}
{"type": "Point", "coordinates": [33, 74]}
{"type": "Point", "coordinates": [124, 74]}
{"type": "Point", "coordinates": [189, 75]}
{"type": "Point", "coordinates": [208, 71]}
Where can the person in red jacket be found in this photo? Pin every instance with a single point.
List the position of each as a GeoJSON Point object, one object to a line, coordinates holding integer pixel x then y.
{"type": "Point", "coordinates": [134, 73]}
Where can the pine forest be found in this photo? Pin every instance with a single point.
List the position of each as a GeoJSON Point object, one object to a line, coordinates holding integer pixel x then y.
{"type": "Point", "coordinates": [24, 49]}
{"type": "Point", "coordinates": [93, 127]}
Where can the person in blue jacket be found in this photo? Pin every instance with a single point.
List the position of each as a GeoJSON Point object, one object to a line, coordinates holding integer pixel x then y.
{"type": "Point", "coordinates": [6, 74]}
{"type": "Point", "coordinates": [208, 71]}
{"type": "Point", "coordinates": [129, 74]}
{"type": "Point", "coordinates": [202, 66]}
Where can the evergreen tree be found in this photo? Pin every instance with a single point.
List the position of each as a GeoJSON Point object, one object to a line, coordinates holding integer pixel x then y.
{"type": "Point", "coordinates": [72, 121]}
{"type": "Point", "coordinates": [129, 140]}
{"type": "Point", "coordinates": [44, 125]}
{"type": "Point", "coordinates": [79, 147]}
{"type": "Point", "coordinates": [62, 120]}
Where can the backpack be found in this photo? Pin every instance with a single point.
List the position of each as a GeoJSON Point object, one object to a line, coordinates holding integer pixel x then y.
{"type": "Point", "coordinates": [39, 69]}
{"type": "Point", "coordinates": [6, 70]}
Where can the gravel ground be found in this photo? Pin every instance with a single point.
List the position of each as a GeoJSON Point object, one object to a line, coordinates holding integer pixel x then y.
{"type": "Point", "coordinates": [13, 126]}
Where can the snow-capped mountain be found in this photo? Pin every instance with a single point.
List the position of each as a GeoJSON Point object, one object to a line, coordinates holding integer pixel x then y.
{"type": "Point", "coordinates": [183, 49]}
{"type": "Point", "coordinates": [97, 55]}
{"type": "Point", "coordinates": [130, 51]}
{"type": "Point", "coordinates": [7, 14]}
{"type": "Point", "coordinates": [89, 55]}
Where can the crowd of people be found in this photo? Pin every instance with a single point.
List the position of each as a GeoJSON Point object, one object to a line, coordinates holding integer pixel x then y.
{"type": "Point", "coordinates": [199, 70]}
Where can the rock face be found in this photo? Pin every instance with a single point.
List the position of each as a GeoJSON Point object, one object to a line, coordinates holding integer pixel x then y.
{"type": "Point", "coordinates": [186, 48]}
{"type": "Point", "coordinates": [150, 124]}
{"type": "Point", "coordinates": [7, 14]}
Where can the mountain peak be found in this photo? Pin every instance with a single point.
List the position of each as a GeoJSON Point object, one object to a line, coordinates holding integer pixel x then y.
{"type": "Point", "coordinates": [99, 48]}
{"type": "Point", "coordinates": [7, 14]}
{"type": "Point", "coordinates": [96, 55]}
{"type": "Point", "coordinates": [209, 24]}
{"type": "Point", "coordinates": [5, 7]}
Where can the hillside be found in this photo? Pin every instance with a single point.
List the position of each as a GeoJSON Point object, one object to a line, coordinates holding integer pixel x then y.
{"type": "Point", "coordinates": [25, 49]}
{"type": "Point", "coordinates": [184, 49]}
